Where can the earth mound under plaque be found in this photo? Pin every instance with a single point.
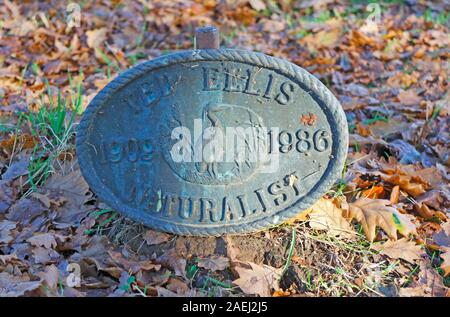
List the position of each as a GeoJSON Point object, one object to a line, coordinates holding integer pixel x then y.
{"type": "Point", "coordinates": [208, 142]}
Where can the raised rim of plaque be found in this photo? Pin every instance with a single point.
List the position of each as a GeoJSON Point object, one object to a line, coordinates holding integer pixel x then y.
{"type": "Point", "coordinates": [316, 89]}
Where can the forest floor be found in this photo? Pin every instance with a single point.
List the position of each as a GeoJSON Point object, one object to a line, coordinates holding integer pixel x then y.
{"type": "Point", "coordinates": [382, 230]}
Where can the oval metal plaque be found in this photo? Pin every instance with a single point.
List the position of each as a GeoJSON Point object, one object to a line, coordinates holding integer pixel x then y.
{"type": "Point", "coordinates": [207, 142]}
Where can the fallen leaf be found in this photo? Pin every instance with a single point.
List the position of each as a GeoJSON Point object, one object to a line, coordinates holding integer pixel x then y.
{"type": "Point", "coordinates": [322, 39]}
{"type": "Point", "coordinates": [214, 263]}
{"type": "Point", "coordinates": [44, 199]}
{"type": "Point", "coordinates": [301, 216]}
{"type": "Point", "coordinates": [14, 286]}
{"type": "Point", "coordinates": [377, 212]}
{"type": "Point", "coordinates": [274, 26]}
{"type": "Point", "coordinates": [25, 210]}
{"type": "Point", "coordinates": [400, 249]}
{"type": "Point", "coordinates": [409, 97]}
{"type": "Point", "coordinates": [257, 279]}
{"type": "Point", "coordinates": [395, 195]}
{"type": "Point", "coordinates": [24, 141]}
{"type": "Point", "coordinates": [356, 90]}
{"type": "Point", "coordinates": [46, 240]}
{"type": "Point", "coordinates": [50, 276]}
{"type": "Point", "coordinates": [232, 250]}
{"type": "Point", "coordinates": [258, 5]}
{"type": "Point", "coordinates": [173, 260]}
{"type": "Point", "coordinates": [386, 128]}
{"type": "Point", "coordinates": [153, 237]}
{"type": "Point", "coordinates": [406, 183]}
{"type": "Point", "coordinates": [9, 258]}
{"type": "Point", "coordinates": [441, 238]}
{"type": "Point", "coordinates": [433, 198]}
{"type": "Point", "coordinates": [281, 293]}
{"type": "Point", "coordinates": [16, 169]}
{"type": "Point", "coordinates": [7, 195]}
{"type": "Point", "coordinates": [97, 253]}
{"type": "Point", "coordinates": [325, 215]}
{"type": "Point", "coordinates": [430, 280]}
{"type": "Point", "coordinates": [6, 227]}
{"type": "Point", "coordinates": [244, 15]}
{"type": "Point", "coordinates": [445, 255]}
{"type": "Point", "coordinates": [74, 191]}
{"type": "Point", "coordinates": [405, 151]}
{"type": "Point", "coordinates": [360, 39]}
{"type": "Point", "coordinates": [177, 286]}
{"type": "Point", "coordinates": [373, 192]}
{"type": "Point", "coordinates": [418, 291]}
{"type": "Point", "coordinates": [423, 210]}
{"type": "Point", "coordinates": [164, 292]}
{"type": "Point", "coordinates": [96, 37]}
{"type": "Point", "coordinates": [429, 176]}
{"type": "Point", "coordinates": [153, 278]}
{"type": "Point", "coordinates": [45, 256]}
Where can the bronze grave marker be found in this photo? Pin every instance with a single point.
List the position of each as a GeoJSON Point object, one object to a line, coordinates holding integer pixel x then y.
{"type": "Point", "coordinates": [212, 141]}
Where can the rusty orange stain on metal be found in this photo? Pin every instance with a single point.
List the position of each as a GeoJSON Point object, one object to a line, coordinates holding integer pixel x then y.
{"type": "Point", "coordinates": [308, 119]}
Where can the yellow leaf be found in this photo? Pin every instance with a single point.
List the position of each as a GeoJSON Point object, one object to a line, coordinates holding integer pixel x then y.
{"type": "Point", "coordinates": [96, 37]}
{"type": "Point", "coordinates": [301, 216]}
{"type": "Point", "coordinates": [376, 212]}
{"type": "Point", "coordinates": [325, 215]}
{"type": "Point", "coordinates": [322, 39]}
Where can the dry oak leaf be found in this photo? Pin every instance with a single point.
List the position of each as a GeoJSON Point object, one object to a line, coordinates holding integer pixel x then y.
{"type": "Point", "coordinates": [164, 292]}
{"type": "Point", "coordinates": [24, 141]}
{"type": "Point", "coordinates": [16, 169]}
{"type": "Point", "coordinates": [359, 39]}
{"type": "Point", "coordinates": [373, 192]}
{"type": "Point", "coordinates": [325, 215]}
{"type": "Point", "coordinates": [152, 237]}
{"type": "Point", "coordinates": [376, 212]}
{"type": "Point", "coordinates": [14, 286]}
{"type": "Point", "coordinates": [429, 281]}
{"type": "Point", "coordinates": [45, 256]}
{"type": "Point", "coordinates": [6, 227]}
{"type": "Point", "coordinates": [50, 276]}
{"type": "Point", "coordinates": [96, 37]}
{"type": "Point", "coordinates": [177, 286]}
{"type": "Point", "coordinates": [446, 257]}
{"type": "Point", "coordinates": [25, 210]}
{"type": "Point", "coordinates": [257, 279]}
{"type": "Point", "coordinates": [172, 259]}
{"type": "Point", "coordinates": [400, 249]}
{"type": "Point", "coordinates": [74, 190]}
{"type": "Point", "coordinates": [408, 97]}
{"type": "Point", "coordinates": [301, 216]}
{"type": "Point", "coordinates": [214, 263]}
{"type": "Point", "coordinates": [323, 38]}
{"type": "Point", "coordinates": [411, 180]}
{"type": "Point", "coordinates": [9, 258]}
{"type": "Point", "coordinates": [7, 195]}
{"type": "Point", "coordinates": [406, 183]}
{"type": "Point", "coordinates": [418, 291]}
{"type": "Point", "coordinates": [441, 238]}
{"type": "Point", "coordinates": [46, 240]}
